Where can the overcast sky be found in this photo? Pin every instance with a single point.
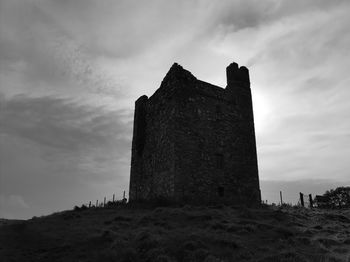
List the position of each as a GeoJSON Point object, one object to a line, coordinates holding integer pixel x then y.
{"type": "Point", "coordinates": [70, 72]}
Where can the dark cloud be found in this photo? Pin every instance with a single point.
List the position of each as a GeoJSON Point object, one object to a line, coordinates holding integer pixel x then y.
{"type": "Point", "coordinates": [63, 124]}
{"type": "Point", "coordinates": [238, 15]}
{"type": "Point", "coordinates": [61, 150]}
{"type": "Point", "coordinates": [90, 141]}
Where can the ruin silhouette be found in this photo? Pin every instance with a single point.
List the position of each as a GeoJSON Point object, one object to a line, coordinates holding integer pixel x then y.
{"type": "Point", "coordinates": [195, 142]}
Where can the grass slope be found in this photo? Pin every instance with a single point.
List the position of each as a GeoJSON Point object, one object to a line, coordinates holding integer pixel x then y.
{"type": "Point", "coordinates": [180, 234]}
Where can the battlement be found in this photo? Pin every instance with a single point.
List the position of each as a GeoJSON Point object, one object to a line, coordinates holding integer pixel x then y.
{"type": "Point", "coordinates": [237, 76]}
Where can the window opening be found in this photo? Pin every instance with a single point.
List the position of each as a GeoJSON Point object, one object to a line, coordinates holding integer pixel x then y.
{"type": "Point", "coordinates": [221, 191]}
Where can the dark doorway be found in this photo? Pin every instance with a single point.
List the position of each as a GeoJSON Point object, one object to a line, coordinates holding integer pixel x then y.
{"type": "Point", "coordinates": [221, 191]}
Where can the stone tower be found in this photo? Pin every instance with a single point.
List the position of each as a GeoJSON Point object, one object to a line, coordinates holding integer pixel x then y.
{"type": "Point", "coordinates": [195, 142]}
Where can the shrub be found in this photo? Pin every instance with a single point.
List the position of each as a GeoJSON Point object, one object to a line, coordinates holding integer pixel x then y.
{"type": "Point", "coordinates": [339, 197]}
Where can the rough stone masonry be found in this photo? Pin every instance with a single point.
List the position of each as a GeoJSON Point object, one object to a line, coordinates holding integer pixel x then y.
{"type": "Point", "coordinates": [195, 142]}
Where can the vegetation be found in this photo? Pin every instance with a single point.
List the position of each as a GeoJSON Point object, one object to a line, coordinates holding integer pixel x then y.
{"type": "Point", "coordinates": [334, 198]}
{"type": "Point", "coordinates": [180, 233]}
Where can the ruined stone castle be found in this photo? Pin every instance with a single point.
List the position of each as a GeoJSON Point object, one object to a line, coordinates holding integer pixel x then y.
{"type": "Point", "coordinates": [195, 142]}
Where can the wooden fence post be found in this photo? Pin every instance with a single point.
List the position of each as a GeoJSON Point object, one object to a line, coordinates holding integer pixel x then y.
{"type": "Point", "coordinates": [124, 195]}
{"type": "Point", "coordinates": [281, 197]}
{"type": "Point", "coordinates": [104, 202]}
{"type": "Point", "coordinates": [301, 199]}
{"type": "Point", "coordinates": [89, 204]}
{"type": "Point", "coordinates": [310, 201]}
{"type": "Point", "coordinates": [113, 198]}
{"type": "Point", "coordinates": [97, 203]}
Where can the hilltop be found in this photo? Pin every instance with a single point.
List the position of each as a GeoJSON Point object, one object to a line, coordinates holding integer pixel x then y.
{"type": "Point", "coordinates": [218, 233]}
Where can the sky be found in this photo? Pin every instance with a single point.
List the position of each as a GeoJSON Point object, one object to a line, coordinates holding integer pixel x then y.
{"type": "Point", "coordinates": [70, 72]}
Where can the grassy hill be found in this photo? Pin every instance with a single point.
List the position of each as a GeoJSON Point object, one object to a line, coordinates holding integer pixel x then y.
{"type": "Point", "coordinates": [186, 233]}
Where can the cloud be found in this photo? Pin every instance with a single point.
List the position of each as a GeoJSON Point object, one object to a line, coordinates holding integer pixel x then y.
{"type": "Point", "coordinates": [309, 143]}
{"type": "Point", "coordinates": [12, 206]}
{"type": "Point", "coordinates": [67, 129]}
{"type": "Point", "coordinates": [45, 58]}
{"type": "Point", "coordinates": [57, 152]}
{"type": "Point", "coordinates": [241, 15]}
{"type": "Point", "coordinates": [296, 68]}
{"type": "Point", "coordinates": [88, 142]}
{"type": "Point", "coordinates": [63, 124]}
{"type": "Point", "coordinates": [13, 201]}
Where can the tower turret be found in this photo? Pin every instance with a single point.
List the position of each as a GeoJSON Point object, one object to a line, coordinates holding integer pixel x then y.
{"type": "Point", "coordinates": [237, 76]}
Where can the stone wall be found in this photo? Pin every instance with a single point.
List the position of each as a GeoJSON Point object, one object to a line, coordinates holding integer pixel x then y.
{"type": "Point", "coordinates": [195, 142]}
